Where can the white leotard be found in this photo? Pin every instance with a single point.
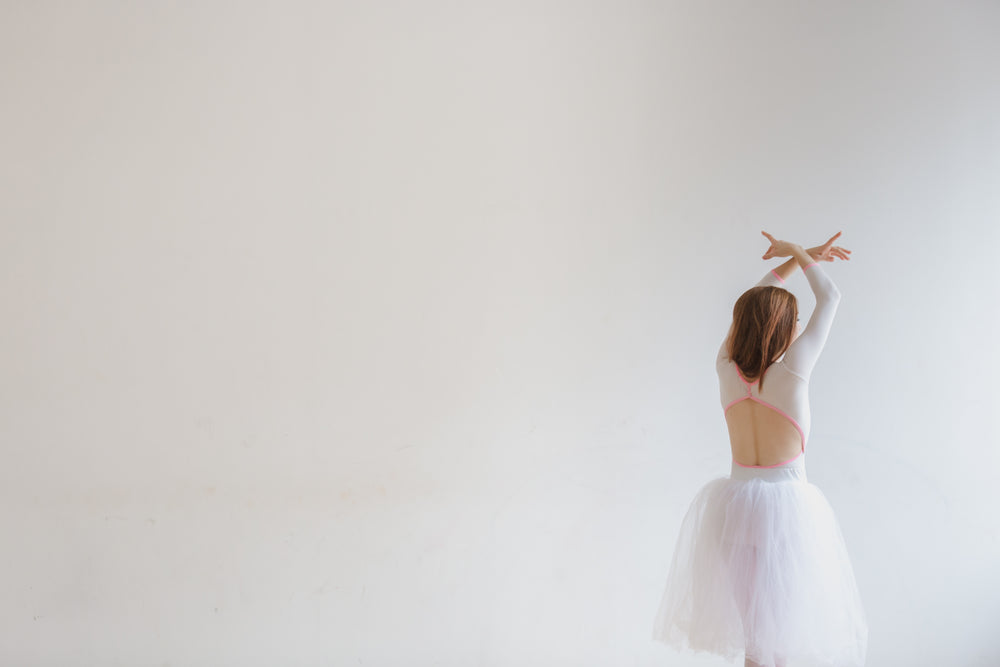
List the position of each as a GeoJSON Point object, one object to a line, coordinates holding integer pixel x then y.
{"type": "Point", "coordinates": [787, 386]}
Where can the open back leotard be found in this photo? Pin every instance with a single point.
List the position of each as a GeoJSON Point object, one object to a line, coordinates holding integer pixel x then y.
{"type": "Point", "coordinates": [787, 386]}
{"type": "Point", "coordinates": [760, 566]}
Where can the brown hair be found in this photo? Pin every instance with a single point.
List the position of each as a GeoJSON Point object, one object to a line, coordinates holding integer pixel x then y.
{"type": "Point", "coordinates": [763, 324]}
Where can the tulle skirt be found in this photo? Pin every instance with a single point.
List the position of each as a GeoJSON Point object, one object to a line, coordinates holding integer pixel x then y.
{"type": "Point", "coordinates": [760, 568]}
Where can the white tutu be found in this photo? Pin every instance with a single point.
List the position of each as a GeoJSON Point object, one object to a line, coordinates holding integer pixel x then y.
{"type": "Point", "coordinates": [761, 569]}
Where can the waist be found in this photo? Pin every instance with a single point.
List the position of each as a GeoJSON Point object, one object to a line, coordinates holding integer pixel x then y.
{"type": "Point", "coordinates": [794, 470]}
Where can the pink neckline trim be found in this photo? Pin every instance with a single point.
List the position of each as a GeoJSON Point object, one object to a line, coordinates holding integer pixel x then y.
{"type": "Point", "coordinates": [748, 384]}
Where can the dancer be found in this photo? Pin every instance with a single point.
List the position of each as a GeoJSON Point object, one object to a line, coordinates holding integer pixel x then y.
{"type": "Point", "coordinates": [760, 566]}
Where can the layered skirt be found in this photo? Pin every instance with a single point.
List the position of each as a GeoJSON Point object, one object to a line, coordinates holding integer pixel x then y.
{"type": "Point", "coordinates": [760, 568]}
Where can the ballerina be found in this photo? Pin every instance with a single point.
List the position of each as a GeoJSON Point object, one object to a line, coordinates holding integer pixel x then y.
{"type": "Point", "coordinates": [760, 566]}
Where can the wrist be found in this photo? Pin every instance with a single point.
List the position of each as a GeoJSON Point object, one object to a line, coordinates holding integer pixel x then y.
{"type": "Point", "coordinates": [803, 257]}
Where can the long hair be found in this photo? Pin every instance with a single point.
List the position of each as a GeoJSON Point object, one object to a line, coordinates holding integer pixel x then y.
{"type": "Point", "coordinates": [763, 325]}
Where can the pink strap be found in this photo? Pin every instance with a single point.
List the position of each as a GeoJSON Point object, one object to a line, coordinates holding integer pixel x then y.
{"type": "Point", "coordinates": [808, 265]}
{"type": "Point", "coordinates": [777, 276]}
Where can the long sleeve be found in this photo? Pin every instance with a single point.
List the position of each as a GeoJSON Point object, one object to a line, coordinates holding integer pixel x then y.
{"type": "Point", "coordinates": [803, 353]}
{"type": "Point", "coordinates": [770, 278]}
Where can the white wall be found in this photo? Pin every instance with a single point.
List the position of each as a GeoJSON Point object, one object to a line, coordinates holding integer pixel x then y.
{"type": "Point", "coordinates": [383, 334]}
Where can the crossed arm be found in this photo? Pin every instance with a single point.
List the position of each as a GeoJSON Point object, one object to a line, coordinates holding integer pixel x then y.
{"type": "Point", "coordinates": [783, 272]}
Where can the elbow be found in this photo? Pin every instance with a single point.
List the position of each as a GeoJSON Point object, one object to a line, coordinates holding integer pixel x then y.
{"type": "Point", "coordinates": [831, 296]}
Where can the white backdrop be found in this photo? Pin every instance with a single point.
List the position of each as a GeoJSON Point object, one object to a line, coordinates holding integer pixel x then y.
{"type": "Point", "coordinates": [383, 334]}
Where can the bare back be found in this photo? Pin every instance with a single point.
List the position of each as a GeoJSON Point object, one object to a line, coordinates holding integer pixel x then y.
{"type": "Point", "coordinates": [760, 433]}
{"type": "Point", "coordinates": [770, 427]}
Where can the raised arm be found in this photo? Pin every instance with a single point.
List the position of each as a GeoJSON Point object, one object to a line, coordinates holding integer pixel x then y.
{"type": "Point", "coordinates": [771, 278]}
{"type": "Point", "coordinates": [802, 355]}
{"type": "Point", "coordinates": [779, 275]}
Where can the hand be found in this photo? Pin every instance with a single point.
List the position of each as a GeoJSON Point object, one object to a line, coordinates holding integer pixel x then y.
{"type": "Point", "coordinates": [779, 248]}
{"type": "Point", "coordinates": [827, 251]}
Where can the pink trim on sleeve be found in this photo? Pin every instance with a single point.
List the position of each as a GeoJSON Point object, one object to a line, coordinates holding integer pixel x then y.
{"type": "Point", "coordinates": [777, 276]}
{"type": "Point", "coordinates": [808, 265]}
